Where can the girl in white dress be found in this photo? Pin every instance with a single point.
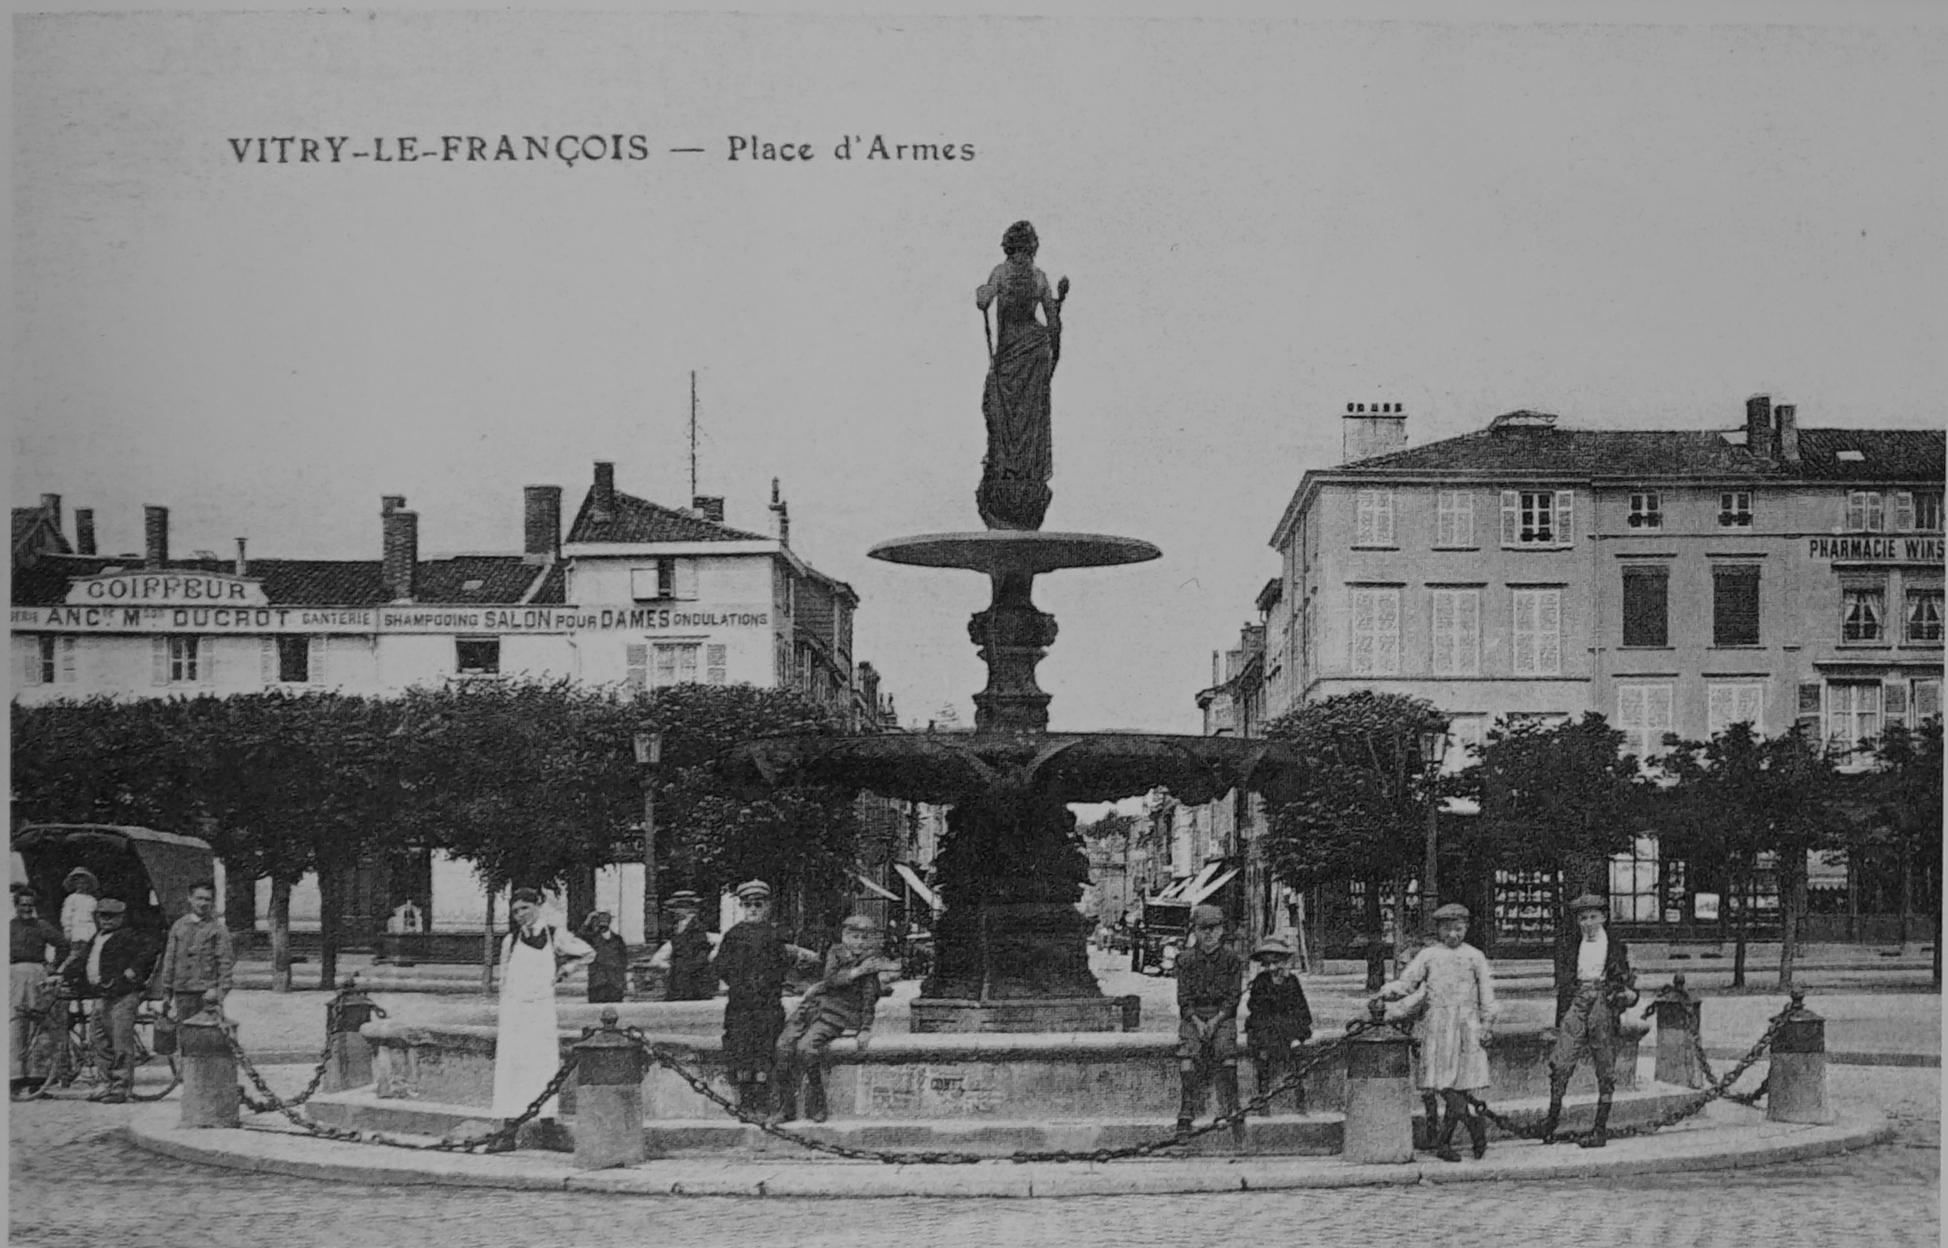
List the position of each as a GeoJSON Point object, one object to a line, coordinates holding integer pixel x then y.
{"type": "Point", "coordinates": [1454, 1031]}
{"type": "Point", "coordinates": [527, 1052]}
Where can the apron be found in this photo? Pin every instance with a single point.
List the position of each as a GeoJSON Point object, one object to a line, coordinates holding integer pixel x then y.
{"type": "Point", "coordinates": [527, 1051]}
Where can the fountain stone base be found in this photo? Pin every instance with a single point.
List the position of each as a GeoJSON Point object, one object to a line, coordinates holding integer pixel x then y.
{"type": "Point", "coordinates": [946, 1014]}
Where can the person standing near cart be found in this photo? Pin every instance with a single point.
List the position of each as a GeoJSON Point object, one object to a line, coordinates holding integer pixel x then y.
{"type": "Point", "coordinates": [114, 969]}
{"type": "Point", "coordinates": [30, 939]}
{"type": "Point", "coordinates": [198, 962]}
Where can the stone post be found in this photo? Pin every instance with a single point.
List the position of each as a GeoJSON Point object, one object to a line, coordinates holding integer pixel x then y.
{"type": "Point", "coordinates": [608, 1098]}
{"type": "Point", "coordinates": [351, 1055]}
{"type": "Point", "coordinates": [1379, 1098]}
{"type": "Point", "coordinates": [210, 1094]}
{"type": "Point", "coordinates": [1680, 1025]}
{"type": "Point", "coordinates": [1796, 1087]}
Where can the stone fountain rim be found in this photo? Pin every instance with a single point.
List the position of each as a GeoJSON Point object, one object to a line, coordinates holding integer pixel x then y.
{"type": "Point", "coordinates": [997, 551]}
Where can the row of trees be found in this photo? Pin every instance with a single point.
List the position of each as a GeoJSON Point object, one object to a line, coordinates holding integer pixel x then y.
{"type": "Point", "coordinates": [1565, 798]}
{"type": "Point", "coordinates": [530, 782]}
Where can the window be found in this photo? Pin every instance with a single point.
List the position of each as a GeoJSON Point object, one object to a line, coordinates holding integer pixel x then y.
{"type": "Point", "coordinates": [1917, 512]}
{"type": "Point", "coordinates": [714, 663]}
{"type": "Point", "coordinates": [1538, 632]}
{"type": "Point", "coordinates": [1924, 614]}
{"type": "Point", "coordinates": [1633, 883]}
{"type": "Point", "coordinates": [1735, 606]}
{"type": "Point", "coordinates": [1925, 702]}
{"type": "Point", "coordinates": [1852, 715]}
{"type": "Point", "coordinates": [1735, 509]}
{"type": "Point", "coordinates": [1536, 517]}
{"type": "Point", "coordinates": [1374, 518]}
{"type": "Point", "coordinates": [675, 663]}
{"type": "Point", "coordinates": [293, 659]}
{"type": "Point", "coordinates": [477, 656]}
{"type": "Point", "coordinates": [1734, 702]}
{"type": "Point", "coordinates": [1376, 632]}
{"type": "Point", "coordinates": [667, 579]}
{"type": "Point", "coordinates": [1864, 512]}
{"type": "Point", "coordinates": [1646, 607]}
{"type": "Point", "coordinates": [181, 661]}
{"type": "Point", "coordinates": [1646, 511]}
{"type": "Point", "coordinates": [49, 659]}
{"type": "Point", "coordinates": [1457, 632]}
{"type": "Point", "coordinates": [1862, 612]}
{"type": "Point", "coordinates": [1644, 716]}
{"type": "Point", "coordinates": [1455, 518]}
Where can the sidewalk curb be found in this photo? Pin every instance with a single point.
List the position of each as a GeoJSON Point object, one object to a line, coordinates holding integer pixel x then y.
{"type": "Point", "coordinates": [1846, 1057]}
{"type": "Point", "coordinates": [1757, 1143]}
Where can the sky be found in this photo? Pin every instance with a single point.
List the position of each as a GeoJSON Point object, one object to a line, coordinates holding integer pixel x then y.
{"type": "Point", "coordinates": [1631, 225]}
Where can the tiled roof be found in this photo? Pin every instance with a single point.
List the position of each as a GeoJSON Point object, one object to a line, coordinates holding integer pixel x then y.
{"type": "Point", "coordinates": [501, 579]}
{"type": "Point", "coordinates": [28, 521]}
{"type": "Point", "coordinates": [639, 520]}
{"type": "Point", "coordinates": [1886, 454]}
{"type": "Point", "coordinates": [554, 587]}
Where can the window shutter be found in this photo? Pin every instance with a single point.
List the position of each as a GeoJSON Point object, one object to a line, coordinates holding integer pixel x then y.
{"type": "Point", "coordinates": [30, 662]}
{"type": "Point", "coordinates": [1467, 629]}
{"type": "Point", "coordinates": [1565, 511]}
{"type": "Point", "coordinates": [637, 658]}
{"type": "Point", "coordinates": [318, 648]}
{"type": "Point", "coordinates": [1511, 516]}
{"type": "Point", "coordinates": [1443, 604]}
{"type": "Point", "coordinates": [1721, 709]}
{"type": "Point", "coordinates": [1657, 718]}
{"type": "Point", "coordinates": [1808, 715]}
{"type": "Point", "coordinates": [1904, 511]}
{"type": "Point", "coordinates": [1360, 650]}
{"type": "Point", "coordinates": [1464, 518]}
{"type": "Point", "coordinates": [159, 656]}
{"type": "Point", "coordinates": [267, 660]}
{"type": "Point", "coordinates": [1927, 699]}
{"type": "Point", "coordinates": [1383, 518]}
{"type": "Point", "coordinates": [1548, 628]}
{"type": "Point", "coordinates": [686, 578]}
{"type": "Point", "coordinates": [1896, 700]}
{"type": "Point", "coordinates": [1386, 620]}
{"type": "Point", "coordinates": [67, 660]}
{"type": "Point", "coordinates": [205, 661]}
{"type": "Point", "coordinates": [1630, 706]}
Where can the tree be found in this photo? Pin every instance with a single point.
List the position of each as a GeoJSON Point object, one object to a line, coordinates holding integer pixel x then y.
{"type": "Point", "coordinates": [1360, 814]}
{"type": "Point", "coordinates": [1907, 797]}
{"type": "Point", "coordinates": [1738, 798]}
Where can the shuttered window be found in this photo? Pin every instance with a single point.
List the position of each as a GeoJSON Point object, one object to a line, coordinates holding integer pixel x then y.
{"type": "Point", "coordinates": [1375, 637]}
{"type": "Point", "coordinates": [1646, 607]}
{"type": "Point", "coordinates": [1537, 632]}
{"type": "Point", "coordinates": [1455, 518]}
{"type": "Point", "coordinates": [1734, 702]}
{"type": "Point", "coordinates": [1735, 606]}
{"type": "Point", "coordinates": [1373, 511]}
{"type": "Point", "coordinates": [1644, 716]}
{"type": "Point", "coordinates": [1538, 517]}
{"type": "Point", "coordinates": [1457, 631]}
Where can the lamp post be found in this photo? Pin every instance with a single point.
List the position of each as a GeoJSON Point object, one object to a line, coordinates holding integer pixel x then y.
{"type": "Point", "coordinates": [649, 755]}
{"type": "Point", "coordinates": [1433, 748]}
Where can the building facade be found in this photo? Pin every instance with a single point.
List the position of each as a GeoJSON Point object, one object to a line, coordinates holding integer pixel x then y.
{"type": "Point", "coordinates": [638, 595]}
{"type": "Point", "coordinates": [1674, 581]}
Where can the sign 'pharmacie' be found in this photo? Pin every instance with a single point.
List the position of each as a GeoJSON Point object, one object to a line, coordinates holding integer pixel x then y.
{"type": "Point", "coordinates": [212, 602]}
{"type": "Point", "coordinates": [1877, 549]}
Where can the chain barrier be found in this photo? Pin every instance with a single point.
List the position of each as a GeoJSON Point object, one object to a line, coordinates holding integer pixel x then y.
{"type": "Point", "coordinates": [701, 1085]}
{"type": "Point", "coordinates": [1748, 1099]}
{"type": "Point", "coordinates": [501, 1140]}
{"type": "Point", "coordinates": [1719, 1088]}
{"type": "Point", "coordinates": [332, 1013]}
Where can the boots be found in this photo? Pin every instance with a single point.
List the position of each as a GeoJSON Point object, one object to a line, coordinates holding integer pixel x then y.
{"type": "Point", "coordinates": [1557, 1086]}
{"type": "Point", "coordinates": [1599, 1136]}
{"type": "Point", "coordinates": [784, 1095]}
{"type": "Point", "coordinates": [1444, 1142]}
{"type": "Point", "coordinates": [1478, 1132]}
{"type": "Point", "coordinates": [815, 1094]}
{"type": "Point", "coordinates": [1227, 1098]}
{"type": "Point", "coordinates": [1189, 1101]}
{"type": "Point", "coordinates": [1430, 1104]}
{"type": "Point", "coordinates": [1266, 1082]}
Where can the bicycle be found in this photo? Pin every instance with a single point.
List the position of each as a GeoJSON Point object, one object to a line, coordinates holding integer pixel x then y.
{"type": "Point", "coordinates": [57, 1054]}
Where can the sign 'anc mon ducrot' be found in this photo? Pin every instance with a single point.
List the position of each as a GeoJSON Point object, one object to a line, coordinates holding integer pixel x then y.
{"type": "Point", "coordinates": [432, 618]}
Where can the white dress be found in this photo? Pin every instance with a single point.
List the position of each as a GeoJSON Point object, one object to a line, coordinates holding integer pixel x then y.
{"type": "Point", "coordinates": [527, 1051]}
{"type": "Point", "coordinates": [1460, 1004]}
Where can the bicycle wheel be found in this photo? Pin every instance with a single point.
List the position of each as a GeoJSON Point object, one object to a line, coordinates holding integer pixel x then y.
{"type": "Point", "coordinates": [53, 1057]}
{"type": "Point", "coordinates": [145, 1055]}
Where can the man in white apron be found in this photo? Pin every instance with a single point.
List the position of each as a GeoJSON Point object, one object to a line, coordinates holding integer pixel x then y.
{"type": "Point", "coordinates": [527, 1052]}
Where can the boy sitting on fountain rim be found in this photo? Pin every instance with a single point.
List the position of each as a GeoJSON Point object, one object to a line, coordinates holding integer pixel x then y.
{"type": "Point", "coordinates": [844, 1000]}
{"type": "Point", "coordinates": [1210, 983]}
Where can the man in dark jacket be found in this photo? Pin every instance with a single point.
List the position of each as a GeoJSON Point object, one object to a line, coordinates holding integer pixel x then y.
{"type": "Point", "coordinates": [1594, 985]}
{"type": "Point", "coordinates": [116, 969]}
{"type": "Point", "coordinates": [691, 978]}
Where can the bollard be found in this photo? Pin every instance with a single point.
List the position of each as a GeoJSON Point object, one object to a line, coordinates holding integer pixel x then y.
{"type": "Point", "coordinates": [1379, 1098]}
{"type": "Point", "coordinates": [1795, 1090]}
{"type": "Point", "coordinates": [608, 1098]}
{"type": "Point", "coordinates": [351, 1053]}
{"type": "Point", "coordinates": [210, 1093]}
{"type": "Point", "coordinates": [1680, 1026]}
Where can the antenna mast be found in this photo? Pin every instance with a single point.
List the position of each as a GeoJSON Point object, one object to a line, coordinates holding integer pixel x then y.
{"type": "Point", "coordinates": [693, 433]}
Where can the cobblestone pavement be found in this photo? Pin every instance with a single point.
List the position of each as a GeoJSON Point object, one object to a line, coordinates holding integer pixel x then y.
{"type": "Point", "coordinates": [73, 1181]}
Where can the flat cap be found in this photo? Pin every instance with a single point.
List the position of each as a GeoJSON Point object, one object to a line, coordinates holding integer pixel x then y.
{"type": "Point", "coordinates": [754, 890]}
{"type": "Point", "coordinates": [1589, 901]}
{"type": "Point", "coordinates": [861, 923]}
{"type": "Point", "coordinates": [1273, 947]}
{"type": "Point", "coordinates": [108, 905]}
{"type": "Point", "coordinates": [1452, 910]}
{"type": "Point", "coordinates": [684, 899]}
{"type": "Point", "coordinates": [1203, 916]}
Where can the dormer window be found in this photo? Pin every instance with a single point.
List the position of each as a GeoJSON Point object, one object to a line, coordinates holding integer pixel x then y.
{"type": "Point", "coordinates": [472, 586]}
{"type": "Point", "coordinates": [668, 579]}
{"type": "Point", "coordinates": [1646, 511]}
{"type": "Point", "coordinates": [1850, 457]}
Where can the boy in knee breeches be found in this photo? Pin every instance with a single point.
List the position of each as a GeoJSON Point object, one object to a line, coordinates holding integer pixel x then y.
{"type": "Point", "coordinates": [1594, 985]}
{"type": "Point", "coordinates": [1210, 983]}
{"type": "Point", "coordinates": [1278, 1018]}
{"type": "Point", "coordinates": [844, 1000]}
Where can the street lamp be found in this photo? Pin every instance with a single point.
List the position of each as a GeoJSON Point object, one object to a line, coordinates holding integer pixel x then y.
{"type": "Point", "coordinates": [1433, 748]}
{"type": "Point", "coordinates": [649, 755]}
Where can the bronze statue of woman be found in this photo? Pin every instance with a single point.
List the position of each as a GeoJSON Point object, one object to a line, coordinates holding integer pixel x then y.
{"type": "Point", "coordinates": [1022, 356]}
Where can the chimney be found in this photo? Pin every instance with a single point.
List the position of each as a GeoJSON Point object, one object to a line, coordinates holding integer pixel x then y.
{"type": "Point", "coordinates": [155, 535]}
{"type": "Point", "coordinates": [603, 509]}
{"type": "Point", "coordinates": [1373, 429]}
{"type": "Point", "coordinates": [1786, 417]}
{"type": "Point", "coordinates": [1758, 425]}
{"type": "Point", "coordinates": [51, 504]}
{"type": "Point", "coordinates": [709, 506]}
{"type": "Point", "coordinates": [84, 530]}
{"type": "Point", "coordinates": [243, 564]}
{"type": "Point", "coordinates": [541, 509]}
{"type": "Point", "coordinates": [780, 515]}
{"type": "Point", "coordinates": [399, 561]}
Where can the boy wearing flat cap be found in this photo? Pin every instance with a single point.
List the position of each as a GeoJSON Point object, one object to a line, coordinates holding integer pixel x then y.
{"type": "Point", "coordinates": [1278, 1017]}
{"type": "Point", "coordinates": [115, 968]}
{"type": "Point", "coordinates": [1594, 985]}
{"type": "Point", "coordinates": [846, 999]}
{"type": "Point", "coordinates": [1210, 984]}
{"type": "Point", "coordinates": [1455, 1029]}
{"type": "Point", "coordinates": [752, 960]}
{"type": "Point", "coordinates": [691, 978]}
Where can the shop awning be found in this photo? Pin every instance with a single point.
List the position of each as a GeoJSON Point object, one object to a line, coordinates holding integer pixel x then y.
{"type": "Point", "coordinates": [890, 896]}
{"type": "Point", "coordinates": [1212, 886]}
{"type": "Point", "coordinates": [913, 882]}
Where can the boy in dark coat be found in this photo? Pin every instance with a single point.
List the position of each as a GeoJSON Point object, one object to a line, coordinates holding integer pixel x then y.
{"type": "Point", "coordinates": [1210, 984]}
{"type": "Point", "coordinates": [1278, 1018]}
{"type": "Point", "coordinates": [752, 960]}
{"type": "Point", "coordinates": [846, 999]}
{"type": "Point", "coordinates": [691, 978]}
{"type": "Point", "coordinates": [1594, 985]}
